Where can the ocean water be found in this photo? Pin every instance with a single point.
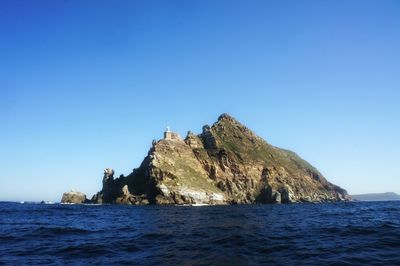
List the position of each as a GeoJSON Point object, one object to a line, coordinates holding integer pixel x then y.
{"type": "Point", "coordinates": [357, 233]}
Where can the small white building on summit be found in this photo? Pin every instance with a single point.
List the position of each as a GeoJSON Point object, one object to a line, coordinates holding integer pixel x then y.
{"type": "Point", "coordinates": [169, 135]}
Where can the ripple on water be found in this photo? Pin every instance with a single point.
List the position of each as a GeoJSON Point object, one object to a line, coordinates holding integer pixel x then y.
{"type": "Point", "coordinates": [341, 234]}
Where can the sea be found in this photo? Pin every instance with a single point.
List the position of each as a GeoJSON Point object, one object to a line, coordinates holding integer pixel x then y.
{"type": "Point", "coordinates": [348, 233]}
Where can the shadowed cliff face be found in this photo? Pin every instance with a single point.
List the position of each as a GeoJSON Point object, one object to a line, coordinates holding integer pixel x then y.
{"type": "Point", "coordinates": [226, 164]}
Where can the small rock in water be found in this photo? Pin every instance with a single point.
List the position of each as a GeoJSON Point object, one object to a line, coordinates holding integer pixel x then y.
{"type": "Point", "coordinates": [74, 197]}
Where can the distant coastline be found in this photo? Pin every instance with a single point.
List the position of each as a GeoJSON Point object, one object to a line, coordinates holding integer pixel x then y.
{"type": "Point", "coordinates": [387, 196]}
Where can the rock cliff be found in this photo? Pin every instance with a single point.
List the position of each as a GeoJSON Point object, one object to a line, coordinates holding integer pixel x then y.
{"type": "Point", "coordinates": [225, 164]}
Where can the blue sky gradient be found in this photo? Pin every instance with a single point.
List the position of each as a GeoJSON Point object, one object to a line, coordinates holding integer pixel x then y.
{"type": "Point", "coordinates": [86, 85]}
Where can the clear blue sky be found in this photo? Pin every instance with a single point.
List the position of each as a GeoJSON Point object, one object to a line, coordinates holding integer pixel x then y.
{"type": "Point", "coordinates": [86, 85]}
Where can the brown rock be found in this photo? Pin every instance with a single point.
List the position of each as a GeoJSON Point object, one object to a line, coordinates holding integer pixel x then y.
{"type": "Point", "coordinates": [226, 164]}
{"type": "Point", "coordinates": [74, 197]}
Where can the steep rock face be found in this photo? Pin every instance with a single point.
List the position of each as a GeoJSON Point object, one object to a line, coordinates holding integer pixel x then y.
{"type": "Point", "coordinates": [74, 197]}
{"type": "Point", "coordinates": [225, 164]}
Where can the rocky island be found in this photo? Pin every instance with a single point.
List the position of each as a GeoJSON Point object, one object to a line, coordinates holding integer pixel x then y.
{"type": "Point", "coordinates": [226, 164]}
{"type": "Point", "coordinates": [74, 197]}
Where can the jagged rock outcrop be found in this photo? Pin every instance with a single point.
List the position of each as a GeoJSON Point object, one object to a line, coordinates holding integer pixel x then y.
{"type": "Point", "coordinates": [225, 164]}
{"type": "Point", "coordinates": [74, 197]}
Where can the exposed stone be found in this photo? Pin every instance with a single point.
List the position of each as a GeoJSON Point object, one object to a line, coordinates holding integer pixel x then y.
{"type": "Point", "coordinates": [108, 173]}
{"type": "Point", "coordinates": [74, 197]}
{"type": "Point", "coordinates": [226, 164]}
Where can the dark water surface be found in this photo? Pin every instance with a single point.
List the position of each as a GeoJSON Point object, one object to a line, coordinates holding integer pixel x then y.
{"type": "Point", "coordinates": [342, 233]}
